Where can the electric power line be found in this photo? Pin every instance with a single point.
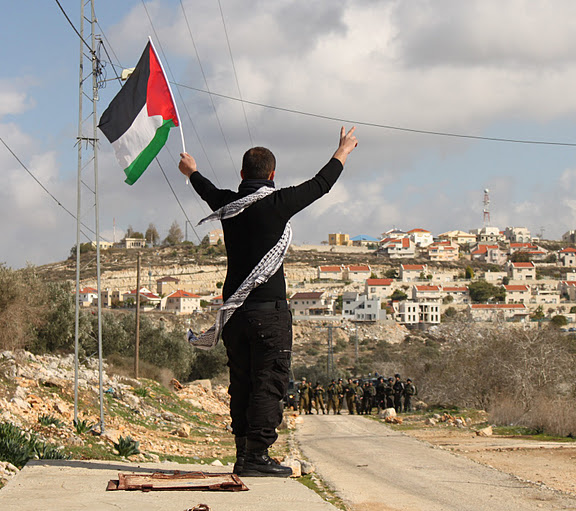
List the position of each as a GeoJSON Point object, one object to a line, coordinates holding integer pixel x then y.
{"type": "Point", "coordinates": [207, 87]}
{"type": "Point", "coordinates": [376, 125]}
{"type": "Point", "coordinates": [46, 190]}
{"type": "Point", "coordinates": [182, 99]}
{"type": "Point", "coordinates": [234, 69]}
{"type": "Point", "coordinates": [74, 28]}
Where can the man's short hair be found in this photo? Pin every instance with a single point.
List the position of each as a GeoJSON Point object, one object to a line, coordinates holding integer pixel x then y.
{"type": "Point", "coordinates": [258, 163]}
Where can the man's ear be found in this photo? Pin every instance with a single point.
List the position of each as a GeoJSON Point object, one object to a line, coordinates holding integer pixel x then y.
{"type": "Point", "coordinates": [271, 176]}
{"type": "Point", "coordinates": [242, 173]}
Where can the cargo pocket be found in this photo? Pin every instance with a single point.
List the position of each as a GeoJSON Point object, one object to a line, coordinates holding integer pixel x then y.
{"type": "Point", "coordinates": [278, 384]}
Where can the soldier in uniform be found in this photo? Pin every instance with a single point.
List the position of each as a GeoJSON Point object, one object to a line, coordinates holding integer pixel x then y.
{"type": "Point", "coordinates": [304, 397]}
{"type": "Point", "coordinates": [350, 394]}
{"type": "Point", "coordinates": [359, 390]}
{"type": "Point", "coordinates": [370, 390]}
{"type": "Point", "coordinates": [340, 395]}
{"type": "Point", "coordinates": [332, 398]}
{"type": "Point", "coordinates": [398, 388]}
{"type": "Point", "coordinates": [380, 394]}
{"type": "Point", "coordinates": [319, 398]}
{"type": "Point", "coordinates": [409, 392]}
{"type": "Point", "coordinates": [310, 398]}
{"type": "Point", "coordinates": [390, 393]}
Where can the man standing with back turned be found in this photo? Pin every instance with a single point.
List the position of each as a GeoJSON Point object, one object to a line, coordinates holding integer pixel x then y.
{"type": "Point", "coordinates": [258, 334]}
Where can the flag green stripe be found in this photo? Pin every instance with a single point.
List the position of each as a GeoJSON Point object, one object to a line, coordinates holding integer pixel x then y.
{"type": "Point", "coordinates": [139, 165]}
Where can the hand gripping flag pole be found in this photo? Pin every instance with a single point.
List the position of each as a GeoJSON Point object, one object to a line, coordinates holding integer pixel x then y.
{"type": "Point", "coordinates": [139, 118]}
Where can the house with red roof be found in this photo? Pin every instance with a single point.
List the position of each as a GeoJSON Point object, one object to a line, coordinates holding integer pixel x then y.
{"type": "Point", "coordinates": [357, 273]}
{"type": "Point", "coordinates": [456, 294]}
{"type": "Point", "coordinates": [412, 272]}
{"type": "Point", "coordinates": [568, 287]}
{"type": "Point", "coordinates": [382, 288]}
{"type": "Point", "coordinates": [443, 251]}
{"type": "Point", "coordinates": [88, 296]}
{"type": "Point", "coordinates": [330, 272]}
{"type": "Point", "coordinates": [517, 293]}
{"type": "Point", "coordinates": [499, 311]}
{"type": "Point", "coordinates": [148, 299]}
{"type": "Point", "coordinates": [567, 257]}
{"type": "Point", "coordinates": [182, 302]}
{"type": "Point", "coordinates": [311, 303]}
{"type": "Point", "coordinates": [397, 248]}
{"type": "Point", "coordinates": [521, 271]}
{"type": "Point", "coordinates": [426, 293]}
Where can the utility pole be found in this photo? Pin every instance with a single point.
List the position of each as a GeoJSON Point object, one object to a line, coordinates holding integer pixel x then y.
{"type": "Point", "coordinates": [137, 344]}
{"type": "Point", "coordinates": [87, 142]}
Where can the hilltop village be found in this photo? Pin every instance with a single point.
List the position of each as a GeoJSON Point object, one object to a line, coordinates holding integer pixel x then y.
{"type": "Point", "coordinates": [410, 277]}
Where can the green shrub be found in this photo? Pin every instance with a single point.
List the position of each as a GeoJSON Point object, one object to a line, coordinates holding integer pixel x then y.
{"type": "Point", "coordinates": [48, 420]}
{"type": "Point", "coordinates": [127, 446]}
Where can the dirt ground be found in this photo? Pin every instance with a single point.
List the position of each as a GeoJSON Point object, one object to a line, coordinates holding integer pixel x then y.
{"type": "Point", "coordinates": [552, 464]}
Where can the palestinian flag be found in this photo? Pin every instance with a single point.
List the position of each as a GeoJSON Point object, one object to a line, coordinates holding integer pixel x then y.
{"type": "Point", "coordinates": [139, 118]}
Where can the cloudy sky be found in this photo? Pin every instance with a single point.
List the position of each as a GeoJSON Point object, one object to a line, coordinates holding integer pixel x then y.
{"type": "Point", "coordinates": [486, 68]}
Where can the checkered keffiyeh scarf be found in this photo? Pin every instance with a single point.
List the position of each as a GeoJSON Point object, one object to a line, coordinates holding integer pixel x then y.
{"type": "Point", "coordinates": [267, 267]}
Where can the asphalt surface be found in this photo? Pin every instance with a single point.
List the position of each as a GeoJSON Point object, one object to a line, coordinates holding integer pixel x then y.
{"type": "Point", "coordinates": [373, 468]}
{"type": "Point", "coordinates": [81, 485]}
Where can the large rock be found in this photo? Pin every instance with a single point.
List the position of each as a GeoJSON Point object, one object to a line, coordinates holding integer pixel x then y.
{"type": "Point", "coordinates": [294, 464]}
{"type": "Point", "coordinates": [307, 467]}
{"type": "Point", "coordinates": [183, 431]}
{"type": "Point", "coordinates": [487, 431]}
{"type": "Point", "coordinates": [387, 413]}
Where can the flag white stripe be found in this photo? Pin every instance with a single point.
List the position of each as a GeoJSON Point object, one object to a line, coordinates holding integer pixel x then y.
{"type": "Point", "coordinates": [137, 137]}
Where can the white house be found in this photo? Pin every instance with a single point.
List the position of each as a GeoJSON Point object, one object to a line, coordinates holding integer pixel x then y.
{"type": "Point", "coordinates": [412, 272]}
{"type": "Point", "coordinates": [397, 248]}
{"type": "Point", "coordinates": [421, 237]}
{"type": "Point", "coordinates": [356, 307]}
{"type": "Point", "coordinates": [381, 288]}
{"type": "Point", "coordinates": [521, 271]}
{"type": "Point", "coordinates": [459, 294]}
{"type": "Point", "coordinates": [517, 234]}
{"type": "Point", "coordinates": [88, 296]}
{"type": "Point", "coordinates": [426, 293]}
{"type": "Point", "coordinates": [517, 293]}
{"type": "Point", "coordinates": [409, 312]}
{"type": "Point", "coordinates": [357, 273]}
{"type": "Point", "coordinates": [567, 257]}
{"type": "Point", "coordinates": [331, 272]}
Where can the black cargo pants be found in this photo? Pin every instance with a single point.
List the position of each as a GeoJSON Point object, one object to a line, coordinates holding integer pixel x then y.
{"type": "Point", "coordinates": [258, 340]}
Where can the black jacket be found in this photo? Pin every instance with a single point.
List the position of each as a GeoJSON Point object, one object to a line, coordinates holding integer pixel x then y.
{"type": "Point", "coordinates": [251, 234]}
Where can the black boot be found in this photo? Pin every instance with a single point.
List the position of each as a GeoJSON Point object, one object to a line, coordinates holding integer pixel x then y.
{"type": "Point", "coordinates": [240, 454]}
{"type": "Point", "coordinates": [259, 464]}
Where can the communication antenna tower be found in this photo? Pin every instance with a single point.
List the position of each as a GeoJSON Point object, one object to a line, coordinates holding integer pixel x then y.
{"type": "Point", "coordinates": [486, 216]}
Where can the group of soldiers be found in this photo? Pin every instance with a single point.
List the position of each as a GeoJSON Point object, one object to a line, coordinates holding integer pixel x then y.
{"type": "Point", "coordinates": [357, 396]}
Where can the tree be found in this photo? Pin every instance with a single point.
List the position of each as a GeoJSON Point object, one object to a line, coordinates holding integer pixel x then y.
{"type": "Point", "coordinates": [131, 233]}
{"type": "Point", "coordinates": [175, 235]}
{"type": "Point", "coordinates": [469, 273]}
{"type": "Point", "coordinates": [559, 321]}
{"type": "Point", "coordinates": [482, 292]}
{"type": "Point", "coordinates": [391, 273]}
{"type": "Point", "coordinates": [505, 280]}
{"type": "Point", "coordinates": [538, 313]}
{"type": "Point", "coordinates": [152, 235]}
{"type": "Point", "coordinates": [398, 295]}
{"type": "Point", "coordinates": [520, 257]}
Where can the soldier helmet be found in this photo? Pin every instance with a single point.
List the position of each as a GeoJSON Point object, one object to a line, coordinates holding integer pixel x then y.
{"type": "Point", "coordinates": [390, 379]}
{"type": "Point", "coordinates": [408, 379]}
{"type": "Point", "coordinates": [396, 375]}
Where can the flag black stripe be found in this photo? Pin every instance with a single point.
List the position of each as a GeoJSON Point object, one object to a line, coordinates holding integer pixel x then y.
{"type": "Point", "coordinates": [127, 104]}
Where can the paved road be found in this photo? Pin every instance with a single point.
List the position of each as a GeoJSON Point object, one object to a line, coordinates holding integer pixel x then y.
{"type": "Point", "coordinates": [374, 468]}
